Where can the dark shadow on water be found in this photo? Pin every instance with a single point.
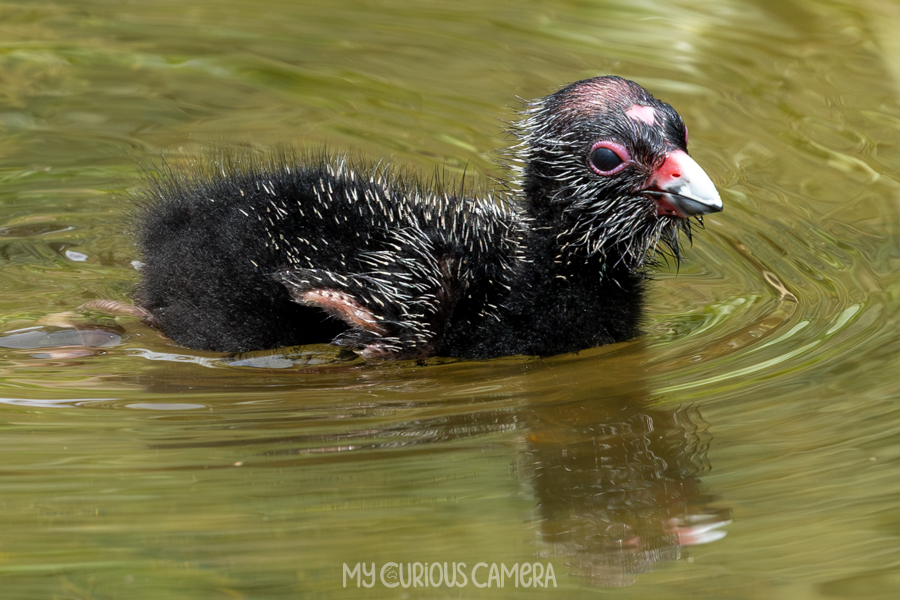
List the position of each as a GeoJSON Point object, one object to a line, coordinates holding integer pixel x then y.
{"type": "Point", "coordinates": [616, 474]}
{"type": "Point", "coordinates": [618, 485]}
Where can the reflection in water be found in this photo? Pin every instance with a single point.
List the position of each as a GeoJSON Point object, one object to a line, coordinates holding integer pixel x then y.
{"type": "Point", "coordinates": [62, 342]}
{"type": "Point", "coordinates": [56, 338]}
{"type": "Point", "coordinates": [616, 478]}
{"type": "Point", "coordinates": [618, 485]}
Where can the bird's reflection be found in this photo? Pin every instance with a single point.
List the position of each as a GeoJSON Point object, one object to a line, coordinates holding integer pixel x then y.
{"type": "Point", "coordinates": [618, 485]}
{"type": "Point", "coordinates": [615, 472]}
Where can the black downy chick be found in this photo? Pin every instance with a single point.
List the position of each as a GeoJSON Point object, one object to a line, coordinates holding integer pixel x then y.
{"type": "Point", "coordinates": [248, 257]}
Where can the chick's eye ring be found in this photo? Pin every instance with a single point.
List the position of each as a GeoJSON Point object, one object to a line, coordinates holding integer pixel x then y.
{"type": "Point", "coordinates": [607, 158]}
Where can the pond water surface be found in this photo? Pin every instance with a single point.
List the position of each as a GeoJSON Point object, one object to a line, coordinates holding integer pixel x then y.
{"type": "Point", "coordinates": [746, 447]}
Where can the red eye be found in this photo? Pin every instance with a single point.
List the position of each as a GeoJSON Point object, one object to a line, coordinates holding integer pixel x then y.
{"type": "Point", "coordinates": [607, 158]}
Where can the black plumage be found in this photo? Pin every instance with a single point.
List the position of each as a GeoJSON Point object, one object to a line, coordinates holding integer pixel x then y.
{"type": "Point", "coordinates": [296, 250]}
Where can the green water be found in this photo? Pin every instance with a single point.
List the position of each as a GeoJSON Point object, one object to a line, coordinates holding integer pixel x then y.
{"type": "Point", "coordinates": [762, 404]}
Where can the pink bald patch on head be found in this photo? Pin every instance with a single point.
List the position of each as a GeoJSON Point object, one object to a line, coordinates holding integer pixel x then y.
{"type": "Point", "coordinates": [647, 114]}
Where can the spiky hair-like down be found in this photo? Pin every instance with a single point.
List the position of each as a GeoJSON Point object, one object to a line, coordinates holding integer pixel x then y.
{"type": "Point", "coordinates": [316, 222]}
{"type": "Point", "coordinates": [244, 252]}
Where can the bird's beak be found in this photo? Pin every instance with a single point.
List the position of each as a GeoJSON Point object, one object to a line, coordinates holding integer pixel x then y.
{"type": "Point", "coordinates": [681, 188]}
